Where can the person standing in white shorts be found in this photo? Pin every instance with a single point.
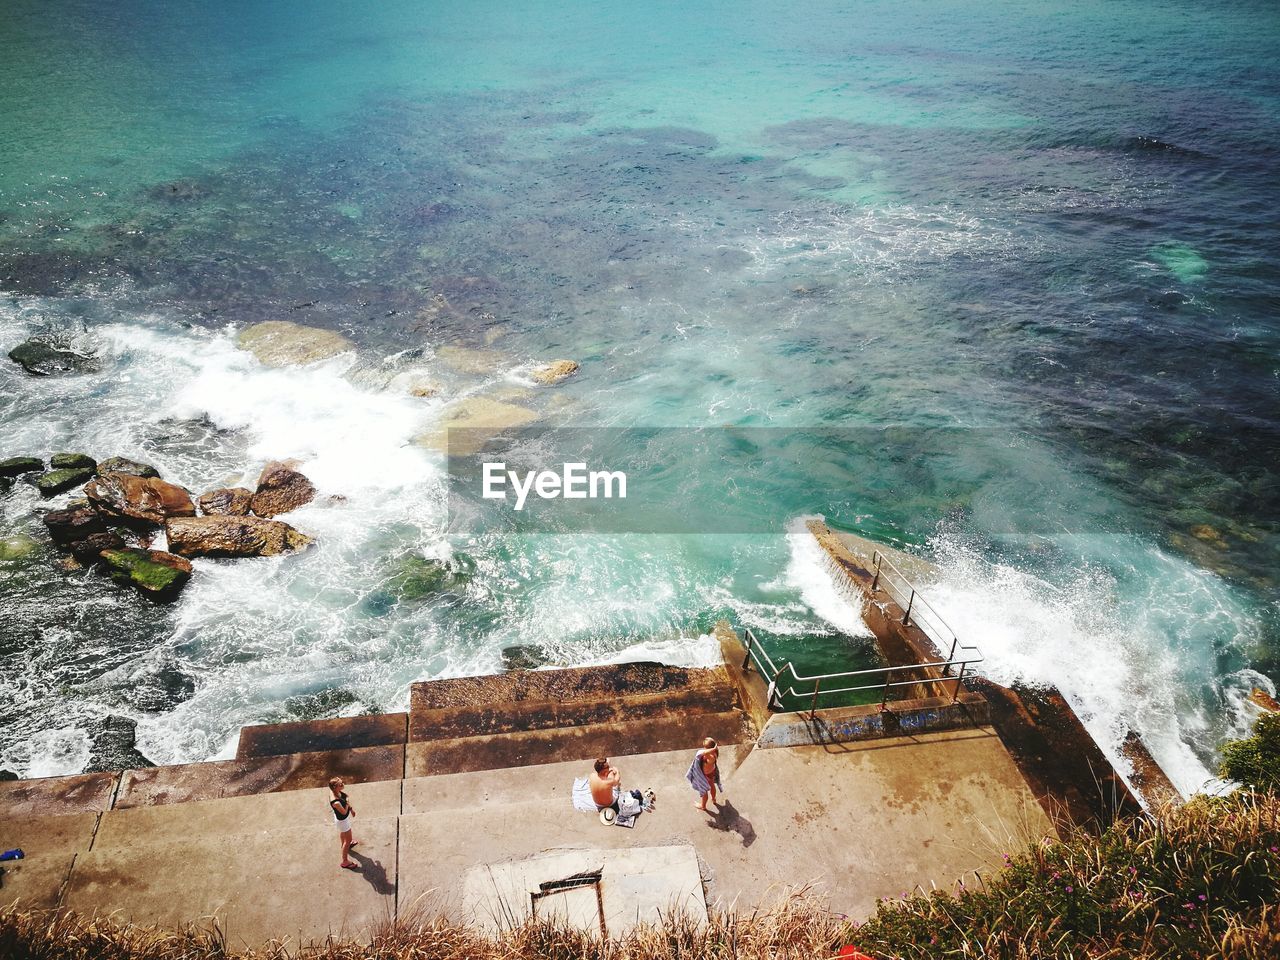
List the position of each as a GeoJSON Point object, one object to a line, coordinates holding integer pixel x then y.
{"type": "Point", "coordinates": [343, 816]}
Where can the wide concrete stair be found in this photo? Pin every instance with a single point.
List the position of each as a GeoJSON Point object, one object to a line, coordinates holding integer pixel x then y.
{"type": "Point", "coordinates": [529, 717]}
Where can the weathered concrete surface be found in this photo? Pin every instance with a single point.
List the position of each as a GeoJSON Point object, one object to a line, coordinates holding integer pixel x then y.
{"type": "Point", "coordinates": [864, 820]}
{"type": "Point", "coordinates": [433, 701]}
{"type": "Point", "coordinates": [50, 844]}
{"type": "Point", "coordinates": [901, 718]}
{"type": "Point", "coordinates": [266, 866]}
{"type": "Point", "coordinates": [573, 742]}
{"type": "Point", "coordinates": [234, 816]}
{"type": "Point", "coordinates": [641, 885]}
{"type": "Point", "coordinates": [257, 775]}
{"type": "Point", "coordinates": [57, 795]}
{"type": "Point", "coordinates": [314, 736]}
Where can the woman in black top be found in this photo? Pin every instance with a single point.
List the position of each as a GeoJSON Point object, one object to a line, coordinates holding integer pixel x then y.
{"type": "Point", "coordinates": [343, 815]}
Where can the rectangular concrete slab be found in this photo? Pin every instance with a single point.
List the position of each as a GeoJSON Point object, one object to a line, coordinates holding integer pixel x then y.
{"type": "Point", "coordinates": [234, 816]}
{"type": "Point", "coordinates": [315, 736]}
{"type": "Point", "coordinates": [85, 792]}
{"type": "Point", "coordinates": [259, 775]}
{"type": "Point", "coordinates": [636, 886]}
{"type": "Point", "coordinates": [259, 886]}
{"type": "Point", "coordinates": [50, 844]}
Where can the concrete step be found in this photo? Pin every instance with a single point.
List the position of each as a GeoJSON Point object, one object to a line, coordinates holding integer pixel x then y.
{"type": "Point", "coordinates": [50, 796]}
{"type": "Point", "coordinates": [219, 819]}
{"type": "Point", "coordinates": [216, 779]}
{"type": "Point", "coordinates": [499, 693]}
{"type": "Point", "coordinates": [523, 715]}
{"type": "Point", "coordinates": [497, 791]}
{"type": "Point", "coordinates": [583, 743]}
{"type": "Point", "coordinates": [315, 736]}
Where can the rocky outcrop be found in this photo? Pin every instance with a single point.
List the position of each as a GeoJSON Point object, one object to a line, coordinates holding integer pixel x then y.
{"type": "Point", "coordinates": [58, 481]}
{"type": "Point", "coordinates": [233, 537]}
{"type": "Point", "coordinates": [147, 500]}
{"type": "Point", "coordinates": [17, 466]}
{"type": "Point", "coordinates": [157, 575]}
{"type": "Point", "coordinates": [45, 359]}
{"type": "Point", "coordinates": [114, 746]}
{"type": "Point", "coordinates": [468, 360]}
{"type": "Point", "coordinates": [468, 424]}
{"type": "Point", "coordinates": [72, 524]}
{"type": "Point", "coordinates": [278, 343]}
{"type": "Point", "coordinates": [281, 488]}
{"type": "Point", "coordinates": [72, 461]}
{"type": "Point", "coordinates": [557, 371]}
{"type": "Point", "coordinates": [89, 549]}
{"type": "Point", "coordinates": [125, 465]}
{"type": "Point", "coordinates": [225, 502]}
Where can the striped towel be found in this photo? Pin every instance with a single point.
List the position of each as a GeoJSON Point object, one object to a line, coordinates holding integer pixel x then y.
{"type": "Point", "coordinates": [697, 779]}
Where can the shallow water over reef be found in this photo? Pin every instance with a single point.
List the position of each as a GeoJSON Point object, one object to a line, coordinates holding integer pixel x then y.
{"type": "Point", "coordinates": [1014, 257]}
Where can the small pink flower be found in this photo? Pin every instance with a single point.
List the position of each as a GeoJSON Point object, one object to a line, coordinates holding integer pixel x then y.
{"type": "Point", "coordinates": [1069, 889]}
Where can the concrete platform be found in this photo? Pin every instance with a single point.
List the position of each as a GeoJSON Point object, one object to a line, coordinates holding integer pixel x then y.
{"type": "Point", "coordinates": [51, 844]}
{"type": "Point", "coordinates": [236, 817]}
{"type": "Point", "coordinates": [256, 776]}
{"type": "Point", "coordinates": [862, 820]}
{"type": "Point", "coordinates": [264, 866]}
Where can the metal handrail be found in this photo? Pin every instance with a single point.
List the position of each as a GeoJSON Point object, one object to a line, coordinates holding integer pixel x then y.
{"type": "Point", "coordinates": [757, 654]}
{"type": "Point", "coordinates": [912, 602]}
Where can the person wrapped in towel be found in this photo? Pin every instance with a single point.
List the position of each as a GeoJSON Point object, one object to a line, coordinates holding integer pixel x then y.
{"type": "Point", "coordinates": [704, 773]}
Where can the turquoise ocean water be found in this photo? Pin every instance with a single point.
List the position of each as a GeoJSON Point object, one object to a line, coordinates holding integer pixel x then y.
{"type": "Point", "coordinates": [1023, 254]}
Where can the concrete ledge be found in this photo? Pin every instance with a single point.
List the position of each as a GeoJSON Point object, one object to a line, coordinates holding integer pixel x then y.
{"type": "Point", "coordinates": [234, 778]}
{"type": "Point", "coordinates": [314, 736]}
{"type": "Point", "coordinates": [86, 792]}
{"type": "Point", "coordinates": [584, 742]}
{"type": "Point", "coordinates": [849, 724]}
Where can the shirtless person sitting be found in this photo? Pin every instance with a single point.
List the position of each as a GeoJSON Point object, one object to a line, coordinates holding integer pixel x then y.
{"type": "Point", "coordinates": [606, 783]}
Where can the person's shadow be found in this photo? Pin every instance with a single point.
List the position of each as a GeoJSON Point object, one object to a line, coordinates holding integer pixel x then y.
{"type": "Point", "coordinates": [374, 872]}
{"type": "Point", "coordinates": [726, 817]}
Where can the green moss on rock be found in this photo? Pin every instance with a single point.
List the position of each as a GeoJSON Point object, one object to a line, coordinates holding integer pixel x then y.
{"type": "Point", "coordinates": [158, 575]}
{"type": "Point", "coordinates": [16, 466]}
{"type": "Point", "coordinates": [57, 481]}
{"type": "Point", "coordinates": [70, 461]}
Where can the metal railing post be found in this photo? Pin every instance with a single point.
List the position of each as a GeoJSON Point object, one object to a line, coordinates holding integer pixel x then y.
{"type": "Point", "coordinates": [813, 705]}
{"type": "Point", "coordinates": [959, 677]}
{"type": "Point", "coordinates": [876, 579]}
{"type": "Point", "coordinates": [906, 617]}
{"type": "Point", "coordinates": [884, 698]}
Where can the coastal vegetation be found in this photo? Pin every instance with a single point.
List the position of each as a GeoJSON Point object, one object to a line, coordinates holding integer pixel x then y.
{"type": "Point", "coordinates": [1198, 880]}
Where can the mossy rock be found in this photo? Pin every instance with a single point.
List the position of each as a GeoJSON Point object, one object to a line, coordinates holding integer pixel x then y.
{"type": "Point", "coordinates": [17, 548]}
{"type": "Point", "coordinates": [157, 575]}
{"type": "Point", "coordinates": [418, 578]}
{"type": "Point", "coordinates": [70, 461]}
{"type": "Point", "coordinates": [124, 465]}
{"type": "Point", "coordinates": [1255, 760]}
{"type": "Point", "coordinates": [57, 481]}
{"type": "Point", "coordinates": [16, 466]}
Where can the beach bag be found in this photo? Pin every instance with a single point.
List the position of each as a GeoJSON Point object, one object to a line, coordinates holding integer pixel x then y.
{"type": "Point", "coordinates": [630, 804]}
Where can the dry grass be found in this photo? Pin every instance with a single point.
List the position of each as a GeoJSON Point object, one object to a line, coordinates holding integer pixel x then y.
{"type": "Point", "coordinates": [1201, 880]}
{"type": "Point", "coordinates": [797, 929]}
